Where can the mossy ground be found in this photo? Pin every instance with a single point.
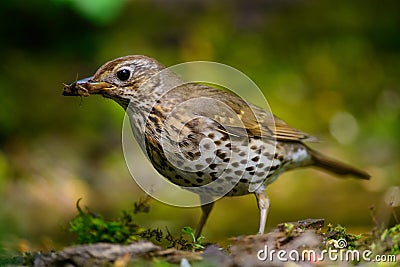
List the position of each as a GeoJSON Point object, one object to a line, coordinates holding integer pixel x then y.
{"type": "Point", "coordinates": [90, 228]}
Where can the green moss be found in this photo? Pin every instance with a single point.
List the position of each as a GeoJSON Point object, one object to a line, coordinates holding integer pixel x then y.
{"type": "Point", "coordinates": [25, 259]}
{"type": "Point", "coordinates": [383, 241]}
{"type": "Point", "coordinates": [386, 241]}
{"type": "Point", "coordinates": [288, 228]}
{"type": "Point", "coordinates": [93, 228]}
{"type": "Point", "coordinates": [196, 242]}
{"type": "Point", "coordinates": [338, 233]}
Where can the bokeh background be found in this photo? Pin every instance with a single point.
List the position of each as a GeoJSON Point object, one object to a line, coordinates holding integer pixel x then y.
{"type": "Point", "coordinates": [330, 69]}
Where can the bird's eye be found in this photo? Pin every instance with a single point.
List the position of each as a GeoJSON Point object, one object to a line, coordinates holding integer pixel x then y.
{"type": "Point", "coordinates": [123, 74]}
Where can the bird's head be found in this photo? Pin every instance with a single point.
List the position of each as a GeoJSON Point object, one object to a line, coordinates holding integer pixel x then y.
{"type": "Point", "coordinates": [117, 79]}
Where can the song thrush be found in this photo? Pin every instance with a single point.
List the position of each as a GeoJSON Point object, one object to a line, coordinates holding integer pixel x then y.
{"type": "Point", "coordinates": [216, 139]}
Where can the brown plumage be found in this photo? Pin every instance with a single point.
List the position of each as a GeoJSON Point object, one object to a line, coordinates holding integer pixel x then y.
{"type": "Point", "coordinates": [252, 146]}
{"type": "Point", "coordinates": [321, 161]}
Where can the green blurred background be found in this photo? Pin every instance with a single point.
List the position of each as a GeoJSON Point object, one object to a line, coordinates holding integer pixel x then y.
{"type": "Point", "coordinates": [329, 68]}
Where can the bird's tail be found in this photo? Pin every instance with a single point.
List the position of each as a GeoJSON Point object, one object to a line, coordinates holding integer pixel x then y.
{"type": "Point", "coordinates": [335, 166]}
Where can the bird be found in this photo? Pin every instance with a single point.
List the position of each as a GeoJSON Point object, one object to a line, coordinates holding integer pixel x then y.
{"type": "Point", "coordinates": [204, 139]}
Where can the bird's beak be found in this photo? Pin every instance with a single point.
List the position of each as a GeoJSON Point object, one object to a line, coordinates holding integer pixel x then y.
{"type": "Point", "coordinates": [86, 87]}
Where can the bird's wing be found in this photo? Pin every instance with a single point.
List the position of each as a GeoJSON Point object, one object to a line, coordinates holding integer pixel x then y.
{"type": "Point", "coordinates": [253, 120]}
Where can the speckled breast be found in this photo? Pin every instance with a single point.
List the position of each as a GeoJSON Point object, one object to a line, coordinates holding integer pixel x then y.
{"type": "Point", "coordinates": [202, 157]}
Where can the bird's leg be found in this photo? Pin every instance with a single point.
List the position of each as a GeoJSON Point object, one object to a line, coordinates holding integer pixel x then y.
{"type": "Point", "coordinates": [263, 206]}
{"type": "Point", "coordinates": [206, 209]}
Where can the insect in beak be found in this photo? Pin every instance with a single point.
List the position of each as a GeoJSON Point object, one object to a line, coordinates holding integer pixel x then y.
{"type": "Point", "coordinates": [86, 87]}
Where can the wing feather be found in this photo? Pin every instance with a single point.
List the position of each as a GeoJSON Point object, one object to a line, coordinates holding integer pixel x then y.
{"type": "Point", "coordinates": [255, 121]}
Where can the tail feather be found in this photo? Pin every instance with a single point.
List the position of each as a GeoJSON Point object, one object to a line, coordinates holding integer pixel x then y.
{"type": "Point", "coordinates": [335, 166]}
